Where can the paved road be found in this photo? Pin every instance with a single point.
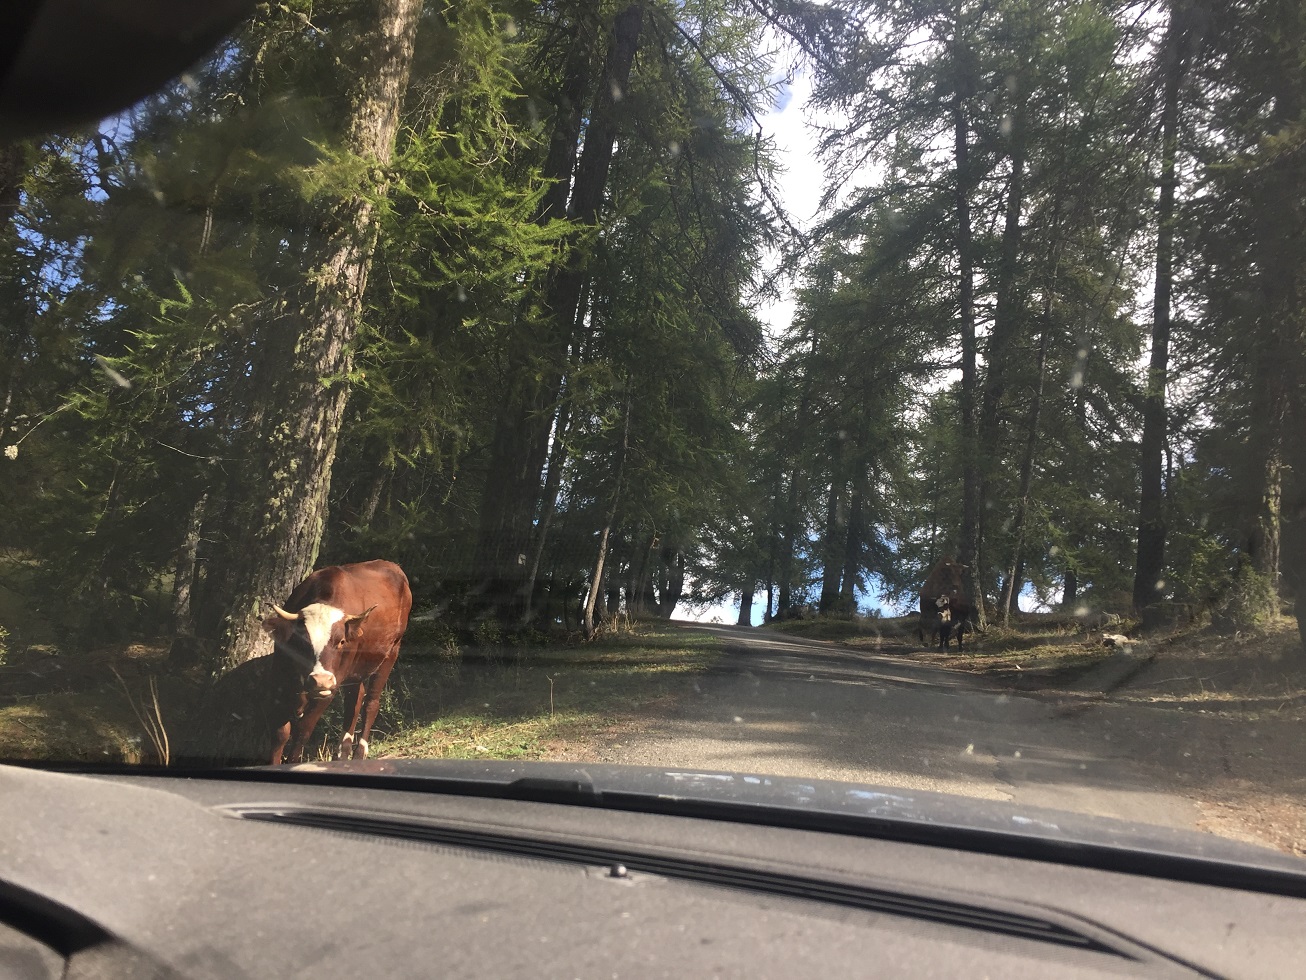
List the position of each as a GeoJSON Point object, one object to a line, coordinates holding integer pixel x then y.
{"type": "Point", "coordinates": [788, 706]}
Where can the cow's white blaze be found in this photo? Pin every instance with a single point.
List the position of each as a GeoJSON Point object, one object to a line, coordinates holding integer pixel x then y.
{"type": "Point", "coordinates": [318, 620]}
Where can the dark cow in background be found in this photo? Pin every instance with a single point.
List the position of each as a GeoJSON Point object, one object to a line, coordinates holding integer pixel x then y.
{"type": "Point", "coordinates": [337, 637]}
{"type": "Point", "coordinates": [944, 603]}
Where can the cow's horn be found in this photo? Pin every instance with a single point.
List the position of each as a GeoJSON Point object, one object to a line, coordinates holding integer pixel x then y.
{"type": "Point", "coordinates": [283, 614]}
{"type": "Point", "coordinates": [363, 615]}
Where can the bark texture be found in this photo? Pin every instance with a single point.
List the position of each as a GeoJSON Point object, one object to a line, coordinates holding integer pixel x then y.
{"type": "Point", "coordinates": [308, 355]}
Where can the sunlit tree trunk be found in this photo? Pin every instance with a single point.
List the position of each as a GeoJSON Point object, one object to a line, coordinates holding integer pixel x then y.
{"type": "Point", "coordinates": [305, 366]}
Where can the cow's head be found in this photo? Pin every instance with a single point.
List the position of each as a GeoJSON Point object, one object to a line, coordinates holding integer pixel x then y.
{"type": "Point", "coordinates": [314, 639]}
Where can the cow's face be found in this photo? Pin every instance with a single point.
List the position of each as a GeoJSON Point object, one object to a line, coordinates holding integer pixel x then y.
{"type": "Point", "coordinates": [315, 638]}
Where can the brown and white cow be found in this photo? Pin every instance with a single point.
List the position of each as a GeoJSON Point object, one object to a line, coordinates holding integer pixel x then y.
{"type": "Point", "coordinates": [339, 632]}
{"type": "Point", "coordinates": [944, 604]}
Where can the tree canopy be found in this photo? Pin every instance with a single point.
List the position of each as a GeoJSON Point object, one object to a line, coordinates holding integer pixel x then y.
{"type": "Point", "coordinates": [480, 288]}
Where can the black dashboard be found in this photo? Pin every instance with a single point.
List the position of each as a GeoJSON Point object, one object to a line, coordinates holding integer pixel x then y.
{"type": "Point", "coordinates": [121, 875]}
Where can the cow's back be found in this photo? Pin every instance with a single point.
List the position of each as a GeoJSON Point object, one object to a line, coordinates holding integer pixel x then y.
{"type": "Point", "coordinates": [946, 578]}
{"type": "Point", "coordinates": [353, 589]}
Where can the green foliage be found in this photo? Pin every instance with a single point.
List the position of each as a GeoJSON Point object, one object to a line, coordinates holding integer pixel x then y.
{"type": "Point", "coordinates": [150, 265]}
{"type": "Point", "coordinates": [1251, 602]}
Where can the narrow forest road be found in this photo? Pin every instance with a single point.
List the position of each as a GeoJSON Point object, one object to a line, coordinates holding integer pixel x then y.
{"type": "Point", "coordinates": [776, 704]}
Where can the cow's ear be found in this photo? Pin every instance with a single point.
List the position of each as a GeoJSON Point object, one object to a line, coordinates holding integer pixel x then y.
{"type": "Point", "coordinates": [354, 625]}
{"type": "Point", "coordinates": [270, 624]}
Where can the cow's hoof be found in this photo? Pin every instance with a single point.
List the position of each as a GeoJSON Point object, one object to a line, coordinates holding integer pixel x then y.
{"type": "Point", "coordinates": [345, 750]}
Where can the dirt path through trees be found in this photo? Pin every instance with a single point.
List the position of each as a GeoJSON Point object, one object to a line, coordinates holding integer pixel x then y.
{"type": "Point", "coordinates": [788, 706]}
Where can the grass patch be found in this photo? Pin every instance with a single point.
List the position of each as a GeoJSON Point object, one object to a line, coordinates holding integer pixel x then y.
{"type": "Point", "coordinates": [86, 726]}
{"type": "Point", "coordinates": [495, 702]}
{"type": "Point", "coordinates": [442, 701]}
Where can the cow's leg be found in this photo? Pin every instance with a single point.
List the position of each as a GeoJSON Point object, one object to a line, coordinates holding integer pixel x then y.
{"type": "Point", "coordinates": [375, 685]}
{"type": "Point", "coordinates": [302, 727]}
{"type": "Point", "coordinates": [352, 695]}
{"type": "Point", "coordinates": [280, 736]}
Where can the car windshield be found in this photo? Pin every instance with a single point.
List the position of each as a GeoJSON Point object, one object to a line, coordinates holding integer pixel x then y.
{"type": "Point", "coordinates": [903, 393]}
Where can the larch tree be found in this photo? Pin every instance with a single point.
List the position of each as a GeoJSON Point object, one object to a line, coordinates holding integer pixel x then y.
{"type": "Point", "coordinates": [303, 370]}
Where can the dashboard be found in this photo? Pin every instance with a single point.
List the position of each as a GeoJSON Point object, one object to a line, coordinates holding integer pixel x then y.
{"type": "Point", "coordinates": [135, 876]}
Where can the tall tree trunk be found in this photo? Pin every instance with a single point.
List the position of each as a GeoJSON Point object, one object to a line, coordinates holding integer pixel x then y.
{"type": "Point", "coordinates": [1006, 318]}
{"type": "Point", "coordinates": [770, 581]}
{"type": "Point", "coordinates": [521, 439]}
{"type": "Point", "coordinates": [1277, 201]}
{"type": "Point", "coordinates": [183, 578]}
{"type": "Point", "coordinates": [1014, 589]}
{"type": "Point", "coordinates": [596, 580]}
{"type": "Point", "coordinates": [854, 540]}
{"type": "Point", "coordinates": [1069, 588]}
{"type": "Point", "coordinates": [1015, 570]}
{"type": "Point", "coordinates": [832, 545]}
{"type": "Point", "coordinates": [613, 597]}
{"type": "Point", "coordinates": [283, 508]}
{"type": "Point", "coordinates": [552, 484]}
{"type": "Point", "coordinates": [15, 160]}
{"type": "Point", "coordinates": [375, 490]}
{"type": "Point", "coordinates": [1149, 585]}
{"type": "Point", "coordinates": [1002, 338]}
{"type": "Point", "coordinates": [1015, 574]}
{"type": "Point", "coordinates": [1270, 425]}
{"type": "Point", "coordinates": [637, 592]}
{"type": "Point", "coordinates": [746, 604]}
{"type": "Point", "coordinates": [673, 581]}
{"type": "Point", "coordinates": [788, 541]}
{"type": "Point", "coordinates": [969, 550]}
